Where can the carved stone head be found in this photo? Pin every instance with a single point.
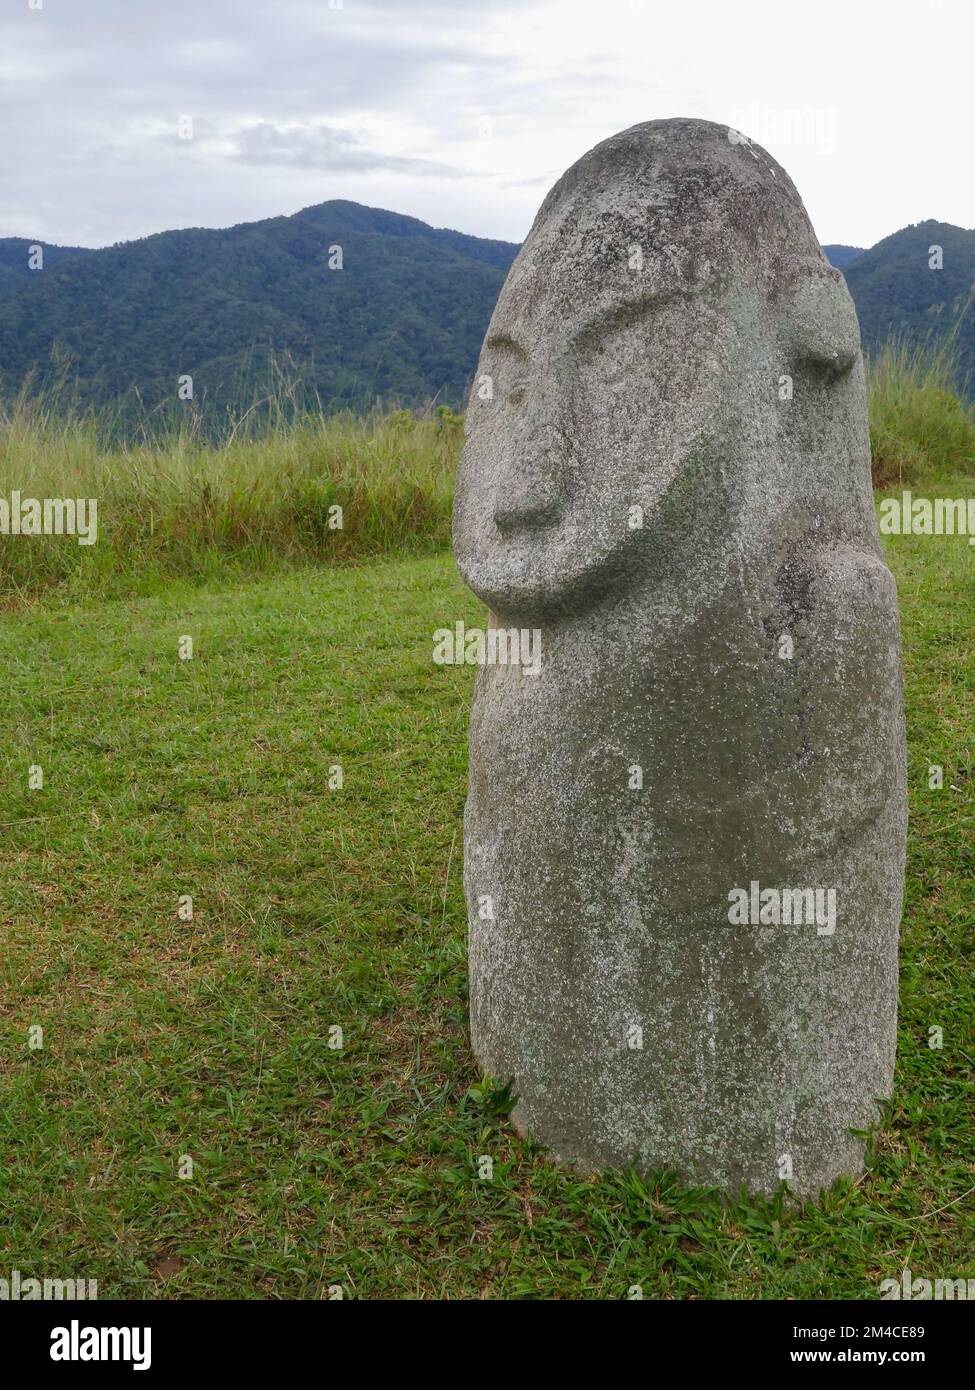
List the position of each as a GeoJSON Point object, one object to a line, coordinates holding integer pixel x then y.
{"type": "Point", "coordinates": [670, 345]}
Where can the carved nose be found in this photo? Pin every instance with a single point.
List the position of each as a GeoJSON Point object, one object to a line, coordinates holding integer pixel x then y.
{"type": "Point", "coordinates": [531, 487]}
{"type": "Point", "coordinates": [527, 505]}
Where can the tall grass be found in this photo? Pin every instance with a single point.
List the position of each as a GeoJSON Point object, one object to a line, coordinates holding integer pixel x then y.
{"type": "Point", "coordinates": [173, 501]}
{"type": "Point", "coordinates": [177, 504]}
{"type": "Point", "coordinates": [921, 429]}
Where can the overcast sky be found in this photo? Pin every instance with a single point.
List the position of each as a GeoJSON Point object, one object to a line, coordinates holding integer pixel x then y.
{"type": "Point", "coordinates": [464, 112]}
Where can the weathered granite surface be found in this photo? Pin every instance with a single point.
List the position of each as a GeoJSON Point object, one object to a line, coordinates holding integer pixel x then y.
{"type": "Point", "coordinates": [669, 299]}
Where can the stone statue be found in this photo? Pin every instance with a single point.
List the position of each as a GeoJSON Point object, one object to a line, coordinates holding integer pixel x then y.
{"type": "Point", "coordinates": [685, 829]}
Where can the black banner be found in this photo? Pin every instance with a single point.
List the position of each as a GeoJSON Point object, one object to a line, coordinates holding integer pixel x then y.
{"type": "Point", "coordinates": [163, 1338]}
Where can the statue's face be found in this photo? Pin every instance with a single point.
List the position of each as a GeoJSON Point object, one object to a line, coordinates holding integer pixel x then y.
{"type": "Point", "coordinates": [577, 424]}
{"type": "Point", "coordinates": [595, 391]}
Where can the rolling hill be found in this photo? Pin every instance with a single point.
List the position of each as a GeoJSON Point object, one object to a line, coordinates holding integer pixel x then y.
{"type": "Point", "coordinates": [402, 319]}
{"type": "Point", "coordinates": [14, 268]}
{"type": "Point", "coordinates": [896, 290]}
{"type": "Point", "coordinates": [841, 256]}
{"type": "Point", "coordinates": [400, 322]}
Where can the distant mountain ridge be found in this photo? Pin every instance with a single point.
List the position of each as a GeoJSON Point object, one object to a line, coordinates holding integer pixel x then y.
{"type": "Point", "coordinates": [365, 304]}
{"type": "Point", "coordinates": [841, 256]}
{"type": "Point", "coordinates": [402, 319]}
{"type": "Point", "coordinates": [918, 283]}
{"type": "Point", "coordinates": [15, 260]}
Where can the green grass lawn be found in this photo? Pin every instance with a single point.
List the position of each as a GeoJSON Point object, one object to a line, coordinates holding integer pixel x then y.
{"type": "Point", "coordinates": [316, 907]}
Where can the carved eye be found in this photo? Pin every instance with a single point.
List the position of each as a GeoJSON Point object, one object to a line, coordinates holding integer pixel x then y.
{"type": "Point", "coordinates": [517, 393]}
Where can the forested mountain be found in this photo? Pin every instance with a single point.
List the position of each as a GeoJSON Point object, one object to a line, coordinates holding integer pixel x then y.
{"type": "Point", "coordinates": [841, 256]}
{"type": "Point", "coordinates": [364, 303]}
{"type": "Point", "coordinates": [917, 283]}
{"type": "Point", "coordinates": [357, 303]}
{"type": "Point", "coordinates": [14, 260]}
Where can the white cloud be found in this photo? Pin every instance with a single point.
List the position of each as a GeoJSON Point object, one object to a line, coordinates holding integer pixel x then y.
{"type": "Point", "coordinates": [304, 145]}
{"type": "Point", "coordinates": [389, 102]}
